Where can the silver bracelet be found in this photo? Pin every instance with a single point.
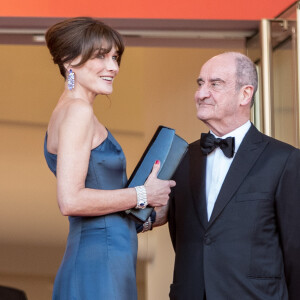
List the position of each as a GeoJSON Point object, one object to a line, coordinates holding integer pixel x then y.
{"type": "Point", "coordinates": [141, 197]}
{"type": "Point", "coordinates": [147, 225]}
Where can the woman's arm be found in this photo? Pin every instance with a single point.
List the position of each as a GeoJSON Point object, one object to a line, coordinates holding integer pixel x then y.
{"type": "Point", "coordinates": [75, 141]}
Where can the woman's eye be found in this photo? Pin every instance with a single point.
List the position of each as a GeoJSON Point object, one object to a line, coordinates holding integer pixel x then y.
{"type": "Point", "coordinates": [115, 57]}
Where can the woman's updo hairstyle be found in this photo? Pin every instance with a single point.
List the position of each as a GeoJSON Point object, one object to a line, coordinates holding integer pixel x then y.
{"type": "Point", "coordinates": [83, 36]}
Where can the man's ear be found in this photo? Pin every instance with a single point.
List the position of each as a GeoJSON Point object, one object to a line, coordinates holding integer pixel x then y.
{"type": "Point", "coordinates": [246, 95]}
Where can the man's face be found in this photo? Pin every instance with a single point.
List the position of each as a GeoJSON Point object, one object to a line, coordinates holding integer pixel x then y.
{"type": "Point", "coordinates": [217, 100]}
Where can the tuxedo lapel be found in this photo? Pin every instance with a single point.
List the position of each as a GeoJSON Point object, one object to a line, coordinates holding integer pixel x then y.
{"type": "Point", "coordinates": [249, 151]}
{"type": "Point", "coordinates": [197, 180]}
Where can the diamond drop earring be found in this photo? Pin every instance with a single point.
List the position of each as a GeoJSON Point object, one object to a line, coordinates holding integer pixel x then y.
{"type": "Point", "coordinates": [71, 80]}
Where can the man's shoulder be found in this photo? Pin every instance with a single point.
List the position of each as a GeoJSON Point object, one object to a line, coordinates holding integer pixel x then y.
{"type": "Point", "coordinates": [278, 144]}
{"type": "Point", "coordinates": [255, 136]}
{"type": "Point", "coordinates": [11, 293]}
{"type": "Point", "coordinates": [185, 162]}
{"type": "Point", "coordinates": [195, 144]}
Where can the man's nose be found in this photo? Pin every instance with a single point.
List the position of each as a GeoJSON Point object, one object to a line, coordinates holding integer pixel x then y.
{"type": "Point", "coordinates": [203, 92]}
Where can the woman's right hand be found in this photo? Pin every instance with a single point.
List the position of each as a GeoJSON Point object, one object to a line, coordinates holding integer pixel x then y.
{"type": "Point", "coordinates": [158, 190]}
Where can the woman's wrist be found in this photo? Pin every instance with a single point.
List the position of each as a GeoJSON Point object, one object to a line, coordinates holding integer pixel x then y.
{"type": "Point", "coordinates": [141, 197]}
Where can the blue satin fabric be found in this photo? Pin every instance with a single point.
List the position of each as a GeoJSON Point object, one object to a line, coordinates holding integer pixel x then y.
{"type": "Point", "coordinates": [100, 257]}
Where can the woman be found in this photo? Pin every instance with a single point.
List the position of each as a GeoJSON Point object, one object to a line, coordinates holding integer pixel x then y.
{"type": "Point", "coordinates": [100, 257]}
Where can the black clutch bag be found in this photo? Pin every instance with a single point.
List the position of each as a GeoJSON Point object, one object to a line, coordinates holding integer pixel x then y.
{"type": "Point", "coordinates": [169, 149]}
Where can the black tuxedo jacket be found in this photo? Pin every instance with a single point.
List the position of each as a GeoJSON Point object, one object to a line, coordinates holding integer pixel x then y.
{"type": "Point", "coordinates": [7, 293]}
{"type": "Point", "coordinates": [250, 248]}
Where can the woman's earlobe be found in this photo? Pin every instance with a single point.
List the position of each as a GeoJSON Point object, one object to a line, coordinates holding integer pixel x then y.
{"type": "Point", "coordinates": [67, 67]}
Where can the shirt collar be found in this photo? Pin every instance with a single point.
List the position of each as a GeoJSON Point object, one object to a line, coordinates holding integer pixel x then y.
{"type": "Point", "coordinates": [239, 134]}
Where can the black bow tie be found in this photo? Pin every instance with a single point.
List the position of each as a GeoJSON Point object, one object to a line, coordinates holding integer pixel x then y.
{"type": "Point", "coordinates": [209, 143]}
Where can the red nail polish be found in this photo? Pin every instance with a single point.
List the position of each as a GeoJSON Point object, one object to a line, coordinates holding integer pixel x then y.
{"type": "Point", "coordinates": [157, 162]}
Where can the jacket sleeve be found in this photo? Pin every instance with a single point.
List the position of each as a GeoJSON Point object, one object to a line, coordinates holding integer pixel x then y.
{"type": "Point", "coordinates": [288, 214]}
{"type": "Point", "coordinates": [171, 219]}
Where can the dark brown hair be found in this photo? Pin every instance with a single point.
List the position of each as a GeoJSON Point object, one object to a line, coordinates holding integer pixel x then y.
{"type": "Point", "coordinates": [83, 36]}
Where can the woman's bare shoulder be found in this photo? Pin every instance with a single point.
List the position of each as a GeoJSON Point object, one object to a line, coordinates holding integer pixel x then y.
{"type": "Point", "coordinates": [72, 112]}
{"type": "Point", "coordinates": [75, 114]}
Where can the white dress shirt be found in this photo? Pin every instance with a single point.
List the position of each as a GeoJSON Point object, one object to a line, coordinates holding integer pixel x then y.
{"type": "Point", "coordinates": [218, 164]}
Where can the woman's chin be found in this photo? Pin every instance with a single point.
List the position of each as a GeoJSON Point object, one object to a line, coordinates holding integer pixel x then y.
{"type": "Point", "coordinates": [105, 93]}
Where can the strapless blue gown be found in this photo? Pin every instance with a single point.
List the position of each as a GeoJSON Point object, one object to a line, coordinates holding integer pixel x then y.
{"type": "Point", "coordinates": [100, 258]}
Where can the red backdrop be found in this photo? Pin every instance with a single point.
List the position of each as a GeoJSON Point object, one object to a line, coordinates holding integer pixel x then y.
{"type": "Point", "coordinates": [157, 9]}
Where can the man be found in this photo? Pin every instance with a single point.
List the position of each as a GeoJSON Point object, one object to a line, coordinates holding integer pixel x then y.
{"type": "Point", "coordinates": [234, 215]}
